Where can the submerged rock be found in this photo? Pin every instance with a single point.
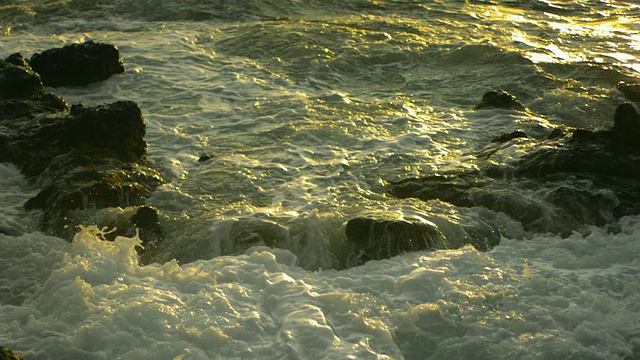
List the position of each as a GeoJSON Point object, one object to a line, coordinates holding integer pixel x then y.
{"type": "Point", "coordinates": [77, 64]}
{"type": "Point", "coordinates": [499, 99]}
{"type": "Point", "coordinates": [381, 239]}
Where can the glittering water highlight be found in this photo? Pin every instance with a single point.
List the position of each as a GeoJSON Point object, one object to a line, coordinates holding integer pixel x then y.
{"type": "Point", "coordinates": [307, 110]}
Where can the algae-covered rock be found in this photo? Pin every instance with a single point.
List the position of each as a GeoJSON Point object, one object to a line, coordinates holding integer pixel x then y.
{"type": "Point", "coordinates": [6, 354]}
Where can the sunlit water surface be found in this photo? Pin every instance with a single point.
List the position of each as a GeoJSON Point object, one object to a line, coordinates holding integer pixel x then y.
{"type": "Point", "coordinates": [307, 110]}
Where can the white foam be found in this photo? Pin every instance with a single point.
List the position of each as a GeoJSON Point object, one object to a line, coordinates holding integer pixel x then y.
{"type": "Point", "coordinates": [580, 295]}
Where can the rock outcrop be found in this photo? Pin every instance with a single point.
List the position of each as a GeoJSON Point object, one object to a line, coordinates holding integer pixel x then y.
{"type": "Point", "coordinates": [77, 64]}
{"type": "Point", "coordinates": [84, 158]}
{"type": "Point", "coordinates": [499, 99]}
{"type": "Point", "coordinates": [572, 179]}
{"type": "Point", "coordinates": [381, 239]}
{"type": "Point", "coordinates": [6, 354]}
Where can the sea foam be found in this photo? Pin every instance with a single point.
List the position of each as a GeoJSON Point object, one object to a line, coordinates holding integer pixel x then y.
{"type": "Point", "coordinates": [548, 298]}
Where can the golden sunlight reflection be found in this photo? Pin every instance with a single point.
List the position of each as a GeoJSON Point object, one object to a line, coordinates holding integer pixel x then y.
{"type": "Point", "coordinates": [556, 38]}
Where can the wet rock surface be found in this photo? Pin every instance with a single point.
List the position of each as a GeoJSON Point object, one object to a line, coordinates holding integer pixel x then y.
{"type": "Point", "coordinates": [573, 179]}
{"type": "Point", "coordinates": [83, 158]}
{"type": "Point", "coordinates": [630, 91]}
{"type": "Point", "coordinates": [381, 239]}
{"type": "Point", "coordinates": [6, 354]}
{"type": "Point", "coordinates": [77, 64]}
{"type": "Point", "coordinates": [562, 184]}
{"type": "Point", "coordinates": [499, 99]}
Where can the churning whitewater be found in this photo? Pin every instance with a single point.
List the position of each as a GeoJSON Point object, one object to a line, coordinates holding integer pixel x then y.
{"type": "Point", "coordinates": [275, 123]}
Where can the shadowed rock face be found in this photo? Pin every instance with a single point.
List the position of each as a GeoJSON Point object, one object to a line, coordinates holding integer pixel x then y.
{"type": "Point", "coordinates": [630, 91]}
{"type": "Point", "coordinates": [381, 239]}
{"type": "Point", "coordinates": [77, 64]}
{"type": "Point", "coordinates": [499, 99]}
{"type": "Point", "coordinates": [87, 158]}
{"type": "Point", "coordinates": [17, 79]}
{"type": "Point", "coordinates": [574, 178]}
{"type": "Point", "coordinates": [84, 135]}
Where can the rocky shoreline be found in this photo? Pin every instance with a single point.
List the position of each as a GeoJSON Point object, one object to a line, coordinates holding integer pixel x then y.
{"type": "Point", "coordinates": [562, 184]}
{"type": "Point", "coordinates": [82, 158]}
{"type": "Point", "coordinates": [89, 158]}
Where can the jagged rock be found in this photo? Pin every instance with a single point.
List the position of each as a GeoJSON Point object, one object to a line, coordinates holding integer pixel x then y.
{"type": "Point", "coordinates": [572, 179]}
{"type": "Point", "coordinates": [17, 79]}
{"type": "Point", "coordinates": [610, 159]}
{"type": "Point", "coordinates": [69, 196]}
{"type": "Point", "coordinates": [60, 142]}
{"type": "Point", "coordinates": [22, 93]}
{"type": "Point", "coordinates": [86, 158]}
{"type": "Point", "coordinates": [499, 99]}
{"type": "Point", "coordinates": [6, 354]}
{"type": "Point", "coordinates": [373, 239]}
{"type": "Point", "coordinates": [77, 64]}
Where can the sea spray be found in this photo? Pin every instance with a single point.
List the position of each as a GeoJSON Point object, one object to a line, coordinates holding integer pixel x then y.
{"type": "Point", "coordinates": [305, 106]}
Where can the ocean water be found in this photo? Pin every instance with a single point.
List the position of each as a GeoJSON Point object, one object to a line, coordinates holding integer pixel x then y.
{"type": "Point", "coordinates": [307, 109]}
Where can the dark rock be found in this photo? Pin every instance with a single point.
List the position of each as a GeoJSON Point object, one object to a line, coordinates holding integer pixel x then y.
{"type": "Point", "coordinates": [246, 233]}
{"type": "Point", "coordinates": [499, 99]}
{"type": "Point", "coordinates": [630, 91]}
{"type": "Point", "coordinates": [85, 158]}
{"type": "Point", "coordinates": [18, 80]}
{"type": "Point", "coordinates": [77, 64]}
{"type": "Point", "coordinates": [205, 157]}
{"type": "Point", "coordinates": [381, 239]}
{"type": "Point", "coordinates": [627, 125]}
{"type": "Point", "coordinates": [452, 188]}
{"type": "Point", "coordinates": [476, 189]}
{"type": "Point", "coordinates": [230, 237]}
{"type": "Point", "coordinates": [556, 134]}
{"type": "Point", "coordinates": [6, 354]}
{"type": "Point", "coordinates": [147, 222]}
{"type": "Point", "coordinates": [610, 159]}
{"type": "Point", "coordinates": [573, 179]}
{"type": "Point", "coordinates": [71, 197]}
{"type": "Point", "coordinates": [60, 142]}
{"type": "Point", "coordinates": [509, 136]}
{"type": "Point", "coordinates": [45, 103]}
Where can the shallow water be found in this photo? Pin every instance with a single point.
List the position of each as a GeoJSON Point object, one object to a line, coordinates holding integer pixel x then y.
{"type": "Point", "coordinates": [308, 109]}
